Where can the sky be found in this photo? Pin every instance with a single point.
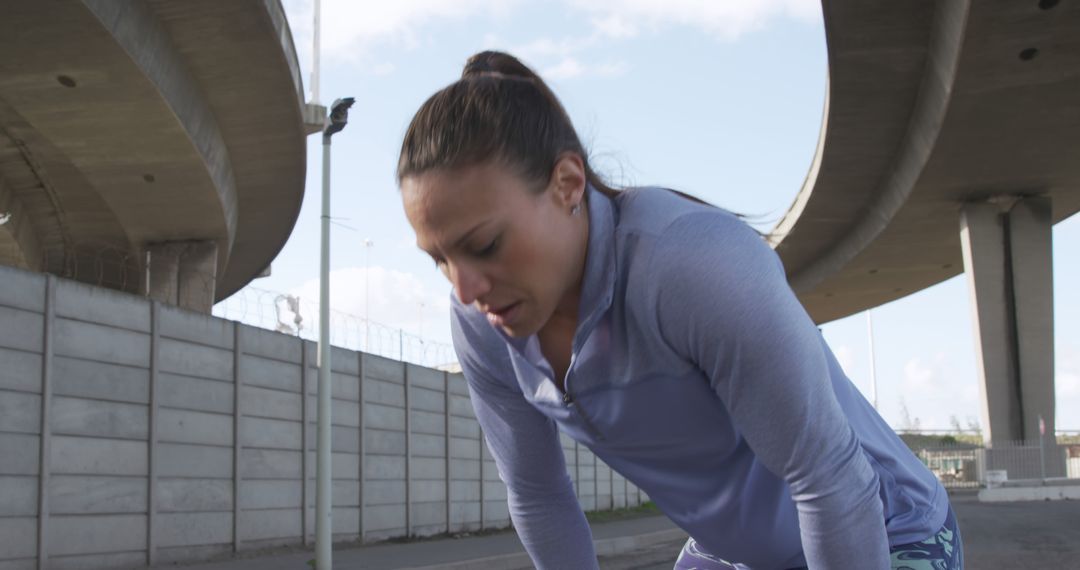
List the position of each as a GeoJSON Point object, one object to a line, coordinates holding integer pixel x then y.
{"type": "Point", "coordinates": [721, 99]}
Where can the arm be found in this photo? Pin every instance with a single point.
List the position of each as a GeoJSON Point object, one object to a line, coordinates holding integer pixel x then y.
{"type": "Point", "coordinates": [527, 451]}
{"type": "Point", "coordinates": [724, 304]}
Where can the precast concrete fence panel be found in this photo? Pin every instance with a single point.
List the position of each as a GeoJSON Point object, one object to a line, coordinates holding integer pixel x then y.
{"type": "Point", "coordinates": [135, 433]}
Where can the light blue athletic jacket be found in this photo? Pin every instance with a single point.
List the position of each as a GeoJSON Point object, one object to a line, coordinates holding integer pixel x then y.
{"type": "Point", "coordinates": [696, 374]}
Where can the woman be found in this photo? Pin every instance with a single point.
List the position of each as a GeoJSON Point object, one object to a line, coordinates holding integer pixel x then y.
{"type": "Point", "coordinates": [661, 333]}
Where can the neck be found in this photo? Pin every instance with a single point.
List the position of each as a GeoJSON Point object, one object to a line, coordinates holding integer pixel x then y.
{"type": "Point", "coordinates": [570, 304]}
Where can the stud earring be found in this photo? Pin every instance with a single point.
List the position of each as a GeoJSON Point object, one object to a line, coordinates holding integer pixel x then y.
{"type": "Point", "coordinates": [575, 209]}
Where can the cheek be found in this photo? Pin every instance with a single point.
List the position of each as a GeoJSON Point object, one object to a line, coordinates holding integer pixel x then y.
{"type": "Point", "coordinates": [541, 268]}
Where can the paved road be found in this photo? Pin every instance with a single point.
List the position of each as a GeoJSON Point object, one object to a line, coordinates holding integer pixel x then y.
{"type": "Point", "coordinates": [659, 557]}
{"type": "Point", "coordinates": [1020, 535]}
{"type": "Point", "coordinates": [996, 536]}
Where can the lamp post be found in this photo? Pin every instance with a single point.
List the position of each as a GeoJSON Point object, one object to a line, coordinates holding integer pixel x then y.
{"type": "Point", "coordinates": [339, 116]}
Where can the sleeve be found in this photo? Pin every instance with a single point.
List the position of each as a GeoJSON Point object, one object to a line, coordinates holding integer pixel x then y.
{"type": "Point", "coordinates": [724, 304]}
{"type": "Point", "coordinates": [526, 447]}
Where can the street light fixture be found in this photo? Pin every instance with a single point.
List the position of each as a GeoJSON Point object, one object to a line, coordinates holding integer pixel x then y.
{"type": "Point", "coordinates": [336, 121]}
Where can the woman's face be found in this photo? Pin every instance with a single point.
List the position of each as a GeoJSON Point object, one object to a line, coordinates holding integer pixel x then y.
{"type": "Point", "coordinates": [516, 254]}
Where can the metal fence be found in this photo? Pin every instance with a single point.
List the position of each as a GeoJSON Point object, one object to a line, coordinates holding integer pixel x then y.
{"type": "Point", "coordinates": [961, 463]}
{"type": "Point", "coordinates": [192, 288]}
{"type": "Point", "coordinates": [288, 314]}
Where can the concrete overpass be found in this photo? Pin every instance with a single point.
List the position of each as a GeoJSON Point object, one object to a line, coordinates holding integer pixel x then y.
{"type": "Point", "coordinates": [949, 144]}
{"type": "Point", "coordinates": [155, 147]}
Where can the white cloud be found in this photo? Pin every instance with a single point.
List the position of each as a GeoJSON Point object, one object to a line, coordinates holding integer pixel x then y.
{"type": "Point", "coordinates": [399, 299]}
{"type": "Point", "coordinates": [350, 29]}
{"type": "Point", "coordinates": [548, 47]}
{"type": "Point", "coordinates": [615, 26]}
{"type": "Point", "coordinates": [726, 19]}
{"type": "Point", "coordinates": [933, 395]}
{"type": "Point", "coordinates": [615, 20]}
{"type": "Point", "coordinates": [570, 68]}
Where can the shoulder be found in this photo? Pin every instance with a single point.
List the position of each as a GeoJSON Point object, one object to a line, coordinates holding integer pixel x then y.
{"type": "Point", "coordinates": [649, 210]}
{"type": "Point", "coordinates": [682, 234]}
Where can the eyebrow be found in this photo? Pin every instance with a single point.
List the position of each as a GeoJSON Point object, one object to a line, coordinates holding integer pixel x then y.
{"type": "Point", "coordinates": [464, 237]}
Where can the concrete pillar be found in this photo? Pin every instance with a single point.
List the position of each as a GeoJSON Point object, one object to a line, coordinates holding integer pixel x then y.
{"type": "Point", "coordinates": [1008, 262]}
{"type": "Point", "coordinates": [162, 271]}
{"type": "Point", "coordinates": [183, 273]}
{"type": "Point", "coordinates": [1030, 238]}
{"type": "Point", "coordinates": [198, 276]}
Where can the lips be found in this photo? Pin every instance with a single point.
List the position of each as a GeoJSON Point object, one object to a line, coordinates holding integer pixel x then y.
{"type": "Point", "coordinates": [505, 309]}
{"type": "Point", "coordinates": [503, 315]}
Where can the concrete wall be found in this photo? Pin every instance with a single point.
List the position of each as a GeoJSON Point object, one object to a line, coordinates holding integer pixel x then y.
{"type": "Point", "coordinates": [145, 433]}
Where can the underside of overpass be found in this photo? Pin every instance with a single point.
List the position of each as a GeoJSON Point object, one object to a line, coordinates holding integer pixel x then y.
{"type": "Point", "coordinates": [154, 147]}
{"type": "Point", "coordinates": [948, 145]}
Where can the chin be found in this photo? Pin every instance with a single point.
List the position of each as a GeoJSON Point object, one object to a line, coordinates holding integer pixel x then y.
{"type": "Point", "coordinates": [518, 331]}
{"type": "Point", "coordinates": [523, 328]}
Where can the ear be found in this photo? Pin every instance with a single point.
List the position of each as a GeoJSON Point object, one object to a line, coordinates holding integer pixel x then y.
{"type": "Point", "coordinates": [568, 180]}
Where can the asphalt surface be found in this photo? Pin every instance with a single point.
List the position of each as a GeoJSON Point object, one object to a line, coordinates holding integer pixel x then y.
{"type": "Point", "coordinates": [1021, 535]}
{"type": "Point", "coordinates": [1043, 534]}
{"type": "Point", "coordinates": [453, 553]}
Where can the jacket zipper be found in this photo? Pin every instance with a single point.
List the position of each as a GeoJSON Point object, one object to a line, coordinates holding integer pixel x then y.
{"type": "Point", "coordinates": [568, 400]}
{"type": "Point", "coordinates": [589, 427]}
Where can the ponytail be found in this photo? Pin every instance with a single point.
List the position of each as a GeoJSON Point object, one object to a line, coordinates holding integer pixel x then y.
{"type": "Point", "coordinates": [500, 110]}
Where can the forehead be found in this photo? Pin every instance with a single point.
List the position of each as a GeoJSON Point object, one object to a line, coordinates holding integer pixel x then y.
{"type": "Point", "coordinates": [442, 205]}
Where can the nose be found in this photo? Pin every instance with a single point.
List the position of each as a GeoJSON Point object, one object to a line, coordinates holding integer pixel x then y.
{"type": "Point", "coordinates": [469, 283]}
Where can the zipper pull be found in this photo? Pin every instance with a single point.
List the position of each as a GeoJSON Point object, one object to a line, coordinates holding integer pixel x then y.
{"type": "Point", "coordinates": [567, 399]}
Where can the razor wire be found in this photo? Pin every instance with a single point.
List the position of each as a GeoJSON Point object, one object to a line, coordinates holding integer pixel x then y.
{"type": "Point", "coordinates": [291, 315]}
{"type": "Point", "coordinates": [114, 268]}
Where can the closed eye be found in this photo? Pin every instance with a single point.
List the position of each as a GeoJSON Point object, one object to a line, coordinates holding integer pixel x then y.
{"type": "Point", "coordinates": [488, 250]}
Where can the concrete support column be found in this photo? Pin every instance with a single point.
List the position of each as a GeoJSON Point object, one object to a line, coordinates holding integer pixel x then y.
{"type": "Point", "coordinates": [162, 272]}
{"type": "Point", "coordinates": [1008, 262]}
{"type": "Point", "coordinates": [182, 273]}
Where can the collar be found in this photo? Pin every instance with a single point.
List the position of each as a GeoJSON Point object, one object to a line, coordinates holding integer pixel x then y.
{"type": "Point", "coordinates": [598, 281]}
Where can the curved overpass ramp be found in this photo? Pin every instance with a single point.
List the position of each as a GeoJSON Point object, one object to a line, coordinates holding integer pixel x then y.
{"type": "Point", "coordinates": [931, 105]}
{"type": "Point", "coordinates": [156, 147]}
{"type": "Point", "coordinates": [949, 144]}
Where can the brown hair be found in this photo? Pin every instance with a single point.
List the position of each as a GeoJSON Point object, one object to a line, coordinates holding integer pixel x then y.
{"type": "Point", "coordinates": [500, 110]}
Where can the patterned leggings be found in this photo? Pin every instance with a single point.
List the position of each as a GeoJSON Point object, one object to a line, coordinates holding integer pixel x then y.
{"type": "Point", "coordinates": [942, 551]}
